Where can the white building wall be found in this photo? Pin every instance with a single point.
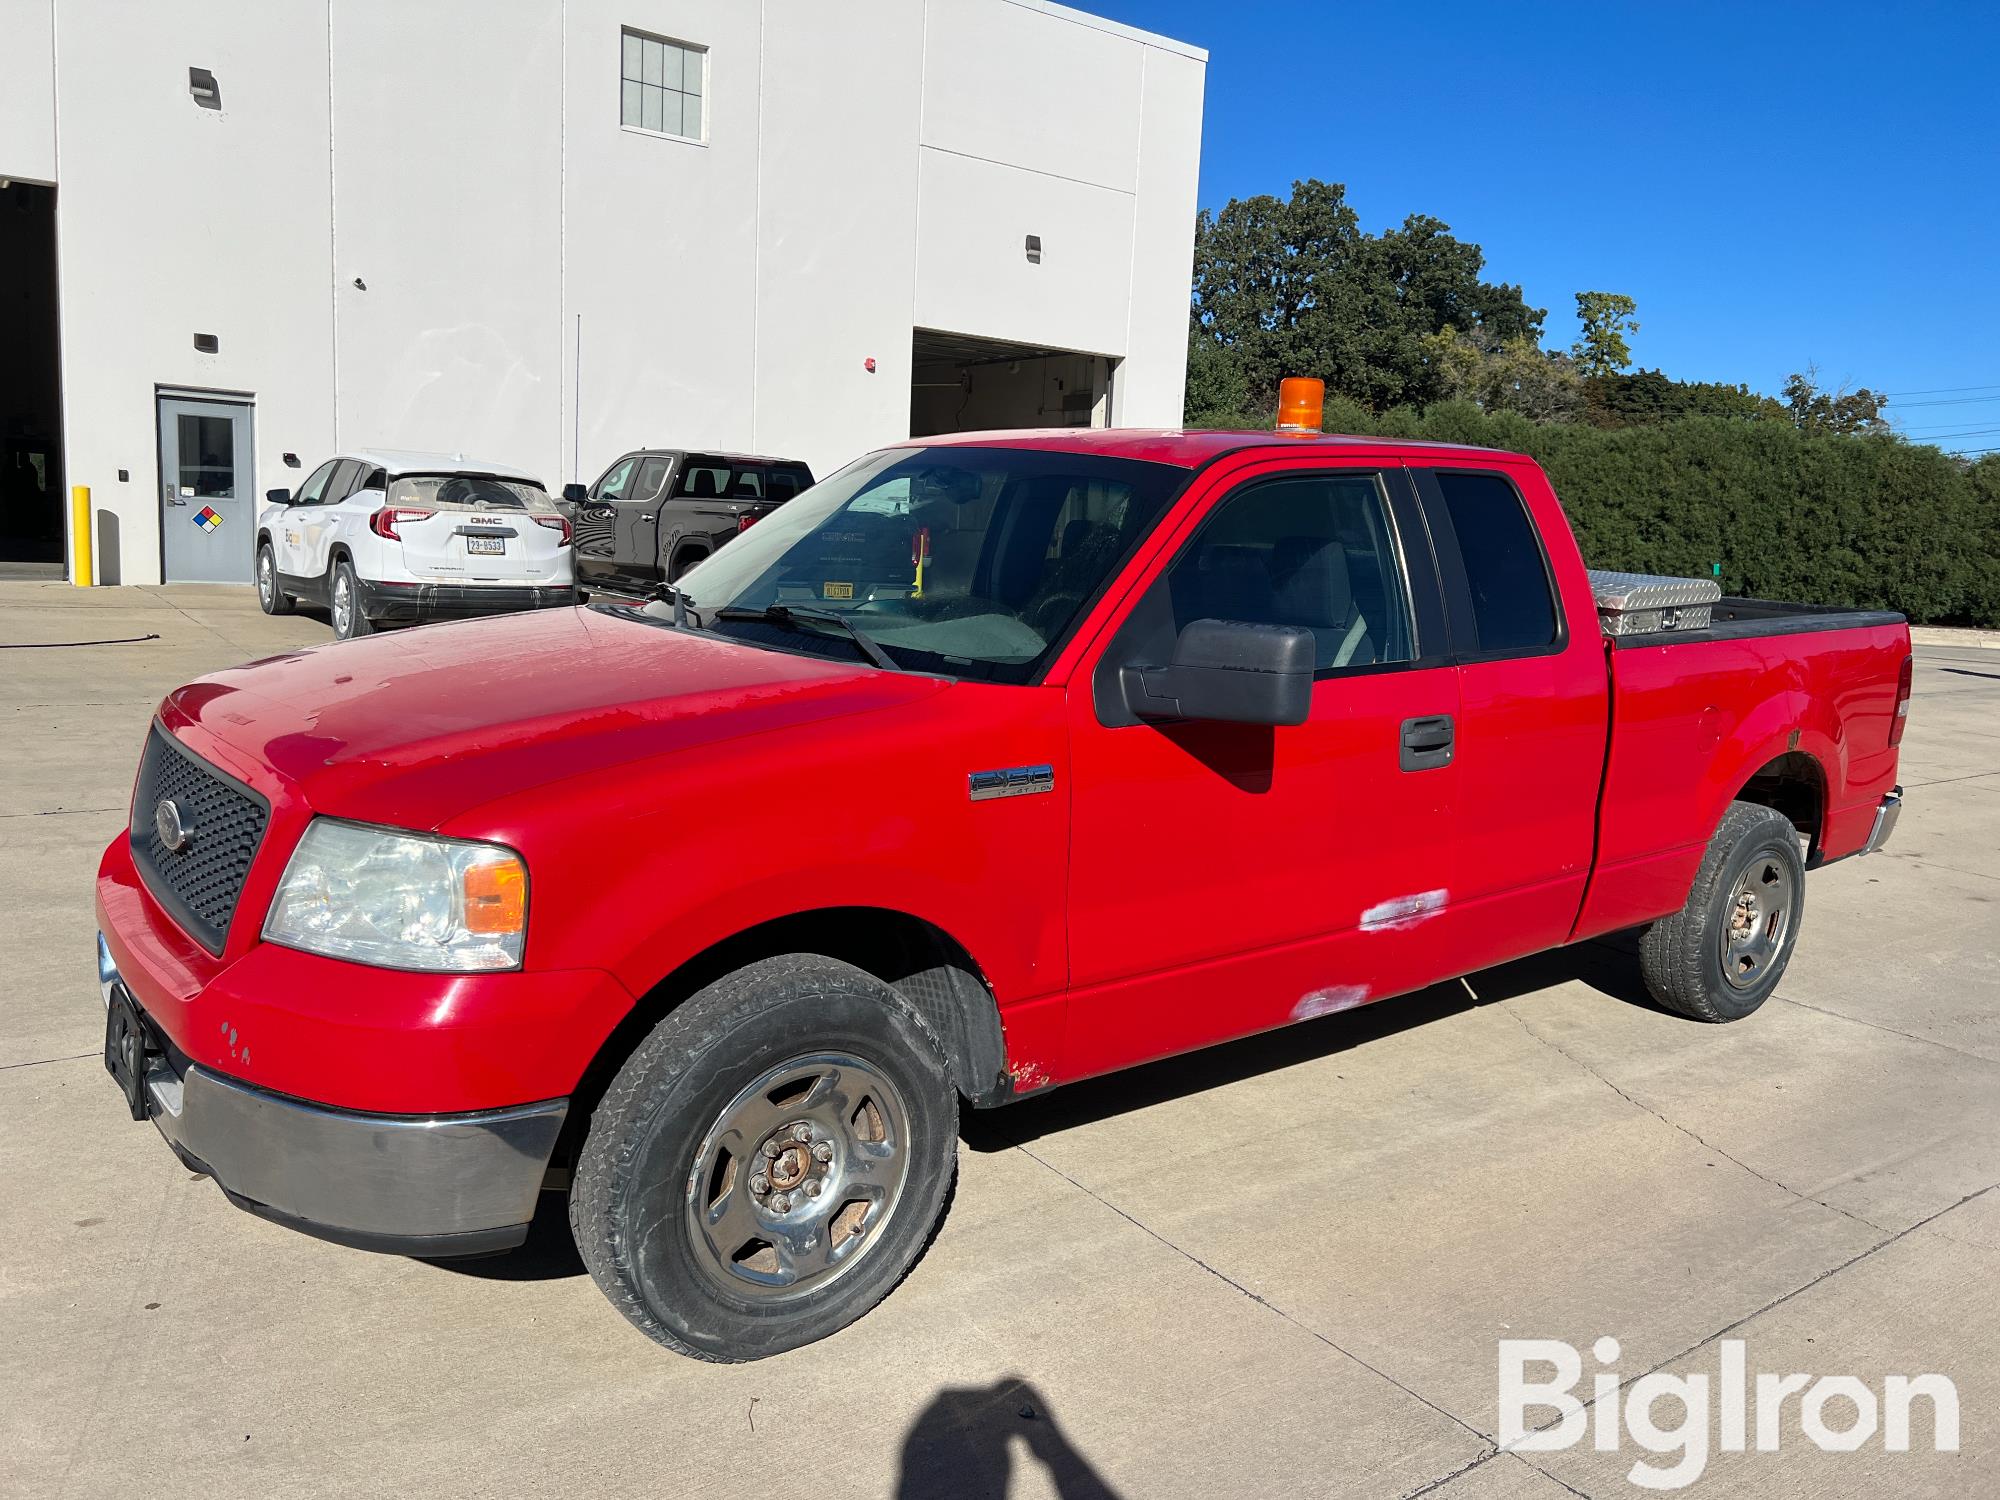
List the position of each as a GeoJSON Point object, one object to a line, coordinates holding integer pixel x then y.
{"type": "Point", "coordinates": [174, 220]}
{"type": "Point", "coordinates": [464, 159]}
{"type": "Point", "coordinates": [27, 90]}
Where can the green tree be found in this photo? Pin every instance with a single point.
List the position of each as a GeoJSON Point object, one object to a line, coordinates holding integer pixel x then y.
{"type": "Point", "coordinates": [1842, 411]}
{"type": "Point", "coordinates": [1295, 286]}
{"type": "Point", "coordinates": [1606, 318]}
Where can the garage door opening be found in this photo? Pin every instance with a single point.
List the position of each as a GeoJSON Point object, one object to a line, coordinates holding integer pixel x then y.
{"type": "Point", "coordinates": [31, 481]}
{"type": "Point", "coordinates": [964, 384]}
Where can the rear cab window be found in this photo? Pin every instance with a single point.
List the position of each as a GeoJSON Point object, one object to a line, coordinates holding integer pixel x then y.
{"type": "Point", "coordinates": [706, 476]}
{"type": "Point", "coordinates": [1498, 587]}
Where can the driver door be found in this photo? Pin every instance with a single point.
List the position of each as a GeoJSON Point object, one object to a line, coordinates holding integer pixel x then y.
{"type": "Point", "coordinates": [636, 525]}
{"type": "Point", "coordinates": [1228, 878]}
{"type": "Point", "coordinates": [594, 523]}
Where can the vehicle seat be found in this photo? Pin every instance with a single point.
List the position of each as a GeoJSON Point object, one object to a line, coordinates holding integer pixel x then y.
{"type": "Point", "coordinates": [1311, 586]}
{"type": "Point", "coordinates": [702, 485]}
{"type": "Point", "coordinates": [745, 487]}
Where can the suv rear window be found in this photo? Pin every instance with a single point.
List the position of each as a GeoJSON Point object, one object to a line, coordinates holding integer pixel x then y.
{"type": "Point", "coordinates": [468, 492]}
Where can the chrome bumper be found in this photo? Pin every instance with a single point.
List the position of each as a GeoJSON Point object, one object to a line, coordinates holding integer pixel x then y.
{"type": "Point", "coordinates": [1886, 814]}
{"type": "Point", "coordinates": [430, 1185]}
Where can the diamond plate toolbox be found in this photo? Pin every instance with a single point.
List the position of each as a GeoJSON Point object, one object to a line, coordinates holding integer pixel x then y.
{"type": "Point", "coordinates": [1641, 603]}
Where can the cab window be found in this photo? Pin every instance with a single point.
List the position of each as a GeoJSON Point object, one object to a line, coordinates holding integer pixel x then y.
{"type": "Point", "coordinates": [1314, 550]}
{"type": "Point", "coordinates": [612, 485]}
{"type": "Point", "coordinates": [311, 492]}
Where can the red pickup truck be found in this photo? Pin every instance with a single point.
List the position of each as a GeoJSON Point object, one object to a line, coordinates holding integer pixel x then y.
{"type": "Point", "coordinates": [986, 765]}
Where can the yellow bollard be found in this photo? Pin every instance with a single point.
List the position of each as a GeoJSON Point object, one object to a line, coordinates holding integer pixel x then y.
{"type": "Point", "coordinates": [79, 535]}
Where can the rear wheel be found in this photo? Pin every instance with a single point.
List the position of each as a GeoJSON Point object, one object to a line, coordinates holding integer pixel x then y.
{"type": "Point", "coordinates": [769, 1163]}
{"type": "Point", "coordinates": [270, 597]}
{"type": "Point", "coordinates": [1719, 957]}
{"type": "Point", "coordinates": [349, 620]}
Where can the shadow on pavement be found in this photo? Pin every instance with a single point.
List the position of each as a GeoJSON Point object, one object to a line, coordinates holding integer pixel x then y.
{"type": "Point", "coordinates": [962, 1445]}
{"type": "Point", "coordinates": [1610, 966]}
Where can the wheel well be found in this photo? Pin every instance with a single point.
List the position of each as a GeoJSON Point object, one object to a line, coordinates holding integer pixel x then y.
{"type": "Point", "coordinates": [923, 962]}
{"type": "Point", "coordinates": [686, 556]}
{"type": "Point", "coordinates": [1794, 785]}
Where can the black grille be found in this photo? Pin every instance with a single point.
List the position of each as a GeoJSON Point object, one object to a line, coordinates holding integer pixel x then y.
{"type": "Point", "coordinates": [224, 822]}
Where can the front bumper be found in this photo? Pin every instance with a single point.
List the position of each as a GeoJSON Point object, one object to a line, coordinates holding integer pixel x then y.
{"type": "Point", "coordinates": [450, 601]}
{"type": "Point", "coordinates": [430, 1185]}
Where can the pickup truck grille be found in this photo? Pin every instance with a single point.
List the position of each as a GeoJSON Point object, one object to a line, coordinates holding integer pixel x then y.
{"type": "Point", "coordinates": [223, 822]}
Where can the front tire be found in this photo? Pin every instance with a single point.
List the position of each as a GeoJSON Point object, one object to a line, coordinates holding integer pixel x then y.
{"type": "Point", "coordinates": [769, 1163]}
{"type": "Point", "coordinates": [350, 621]}
{"type": "Point", "coordinates": [271, 598]}
{"type": "Point", "coordinates": [1722, 954]}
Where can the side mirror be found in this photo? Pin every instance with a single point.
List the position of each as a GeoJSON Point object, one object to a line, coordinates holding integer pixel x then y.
{"type": "Point", "coordinates": [576, 494]}
{"type": "Point", "coordinates": [278, 497]}
{"type": "Point", "coordinates": [1231, 671]}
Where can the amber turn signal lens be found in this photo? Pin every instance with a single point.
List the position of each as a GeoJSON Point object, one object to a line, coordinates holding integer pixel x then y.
{"type": "Point", "coordinates": [496, 896]}
{"type": "Point", "coordinates": [1301, 399]}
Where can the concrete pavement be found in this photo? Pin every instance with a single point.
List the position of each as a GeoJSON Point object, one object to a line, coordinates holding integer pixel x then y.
{"type": "Point", "coordinates": [1280, 1267]}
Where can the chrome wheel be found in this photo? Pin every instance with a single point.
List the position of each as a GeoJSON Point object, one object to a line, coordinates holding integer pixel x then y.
{"type": "Point", "coordinates": [267, 579]}
{"type": "Point", "coordinates": [343, 604]}
{"type": "Point", "coordinates": [1757, 921]}
{"type": "Point", "coordinates": [796, 1179]}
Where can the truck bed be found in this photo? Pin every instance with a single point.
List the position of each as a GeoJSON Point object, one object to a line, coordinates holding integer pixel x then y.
{"type": "Point", "coordinates": [1696, 714]}
{"type": "Point", "coordinates": [1738, 619]}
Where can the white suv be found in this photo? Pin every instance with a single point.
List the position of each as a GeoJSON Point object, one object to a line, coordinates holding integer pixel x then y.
{"type": "Point", "coordinates": [386, 536]}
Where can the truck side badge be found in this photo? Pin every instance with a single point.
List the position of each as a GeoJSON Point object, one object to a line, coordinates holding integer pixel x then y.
{"type": "Point", "coordinates": [1010, 781]}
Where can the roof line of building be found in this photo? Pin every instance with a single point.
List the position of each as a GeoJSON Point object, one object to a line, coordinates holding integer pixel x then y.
{"type": "Point", "coordinates": [1115, 28]}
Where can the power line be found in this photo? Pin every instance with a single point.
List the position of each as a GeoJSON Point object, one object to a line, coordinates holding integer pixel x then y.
{"type": "Point", "coordinates": [1948, 401]}
{"type": "Point", "coordinates": [1930, 435]}
{"type": "Point", "coordinates": [1943, 390]}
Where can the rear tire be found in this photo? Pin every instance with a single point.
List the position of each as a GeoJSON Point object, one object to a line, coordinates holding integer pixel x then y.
{"type": "Point", "coordinates": [1722, 954]}
{"type": "Point", "coordinates": [769, 1163]}
{"type": "Point", "coordinates": [271, 598]}
{"type": "Point", "coordinates": [350, 621]}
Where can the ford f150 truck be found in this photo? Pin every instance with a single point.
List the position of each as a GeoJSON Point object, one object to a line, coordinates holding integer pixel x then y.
{"type": "Point", "coordinates": [986, 765]}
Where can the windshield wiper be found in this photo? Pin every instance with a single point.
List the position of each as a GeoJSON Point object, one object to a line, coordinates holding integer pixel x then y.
{"type": "Point", "coordinates": [785, 614]}
{"type": "Point", "coordinates": [676, 596]}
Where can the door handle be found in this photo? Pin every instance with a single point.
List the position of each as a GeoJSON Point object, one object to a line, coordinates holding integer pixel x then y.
{"type": "Point", "coordinates": [647, 520]}
{"type": "Point", "coordinates": [1426, 742]}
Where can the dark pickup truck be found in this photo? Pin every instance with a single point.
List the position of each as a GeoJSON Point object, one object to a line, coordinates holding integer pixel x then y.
{"type": "Point", "coordinates": [657, 512]}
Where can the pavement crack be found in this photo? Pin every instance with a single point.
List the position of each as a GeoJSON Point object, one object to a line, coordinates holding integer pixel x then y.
{"type": "Point", "coordinates": [36, 1062]}
{"type": "Point", "coordinates": [1695, 1136]}
{"type": "Point", "coordinates": [1777, 1302]}
{"type": "Point", "coordinates": [1260, 1300]}
{"type": "Point", "coordinates": [1908, 1036]}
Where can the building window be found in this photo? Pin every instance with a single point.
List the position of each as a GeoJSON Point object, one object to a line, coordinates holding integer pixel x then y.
{"type": "Point", "coordinates": [662, 84]}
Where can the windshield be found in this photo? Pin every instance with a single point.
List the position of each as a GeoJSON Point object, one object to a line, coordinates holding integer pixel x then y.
{"type": "Point", "coordinates": [468, 492]}
{"type": "Point", "coordinates": [968, 561]}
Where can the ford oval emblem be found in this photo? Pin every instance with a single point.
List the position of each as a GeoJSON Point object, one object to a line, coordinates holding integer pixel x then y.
{"type": "Point", "coordinates": [168, 825]}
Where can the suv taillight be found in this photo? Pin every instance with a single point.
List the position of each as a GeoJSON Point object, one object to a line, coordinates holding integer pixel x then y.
{"type": "Point", "coordinates": [744, 522]}
{"type": "Point", "coordinates": [556, 523]}
{"type": "Point", "coordinates": [1905, 679]}
{"type": "Point", "coordinates": [384, 522]}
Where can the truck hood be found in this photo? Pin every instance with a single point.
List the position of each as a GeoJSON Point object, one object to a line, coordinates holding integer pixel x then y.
{"type": "Point", "coordinates": [413, 727]}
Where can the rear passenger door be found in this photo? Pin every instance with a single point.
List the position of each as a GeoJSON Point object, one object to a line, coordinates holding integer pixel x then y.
{"type": "Point", "coordinates": [1226, 878]}
{"type": "Point", "coordinates": [1533, 714]}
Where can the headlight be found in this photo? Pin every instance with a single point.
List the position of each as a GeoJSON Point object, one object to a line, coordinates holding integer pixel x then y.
{"type": "Point", "coordinates": [401, 900]}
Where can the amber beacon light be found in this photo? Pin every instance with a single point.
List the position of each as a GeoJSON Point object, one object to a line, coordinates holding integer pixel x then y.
{"type": "Point", "coordinates": [1300, 399]}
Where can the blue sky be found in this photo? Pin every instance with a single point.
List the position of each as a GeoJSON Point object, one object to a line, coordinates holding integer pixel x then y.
{"type": "Point", "coordinates": [1777, 184]}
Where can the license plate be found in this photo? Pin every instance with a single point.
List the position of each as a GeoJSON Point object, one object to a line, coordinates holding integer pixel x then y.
{"type": "Point", "coordinates": [488, 546]}
{"type": "Point", "coordinates": [125, 1051]}
{"type": "Point", "coordinates": [836, 591]}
